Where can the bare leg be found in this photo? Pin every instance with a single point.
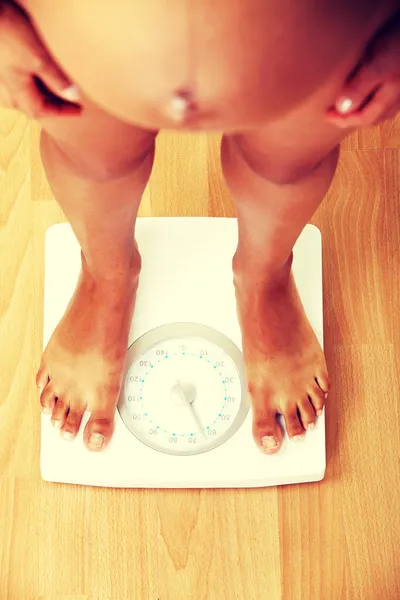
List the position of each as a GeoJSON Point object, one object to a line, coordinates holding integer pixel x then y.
{"type": "Point", "coordinates": [276, 188]}
{"type": "Point", "coordinates": [98, 168]}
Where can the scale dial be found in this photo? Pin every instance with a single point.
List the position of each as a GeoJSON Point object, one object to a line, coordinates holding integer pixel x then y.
{"type": "Point", "coordinates": [184, 389]}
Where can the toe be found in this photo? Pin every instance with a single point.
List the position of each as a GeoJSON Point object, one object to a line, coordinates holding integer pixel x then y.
{"type": "Point", "coordinates": [307, 413]}
{"type": "Point", "coordinates": [60, 412]}
{"type": "Point", "coordinates": [47, 399]}
{"type": "Point", "coordinates": [98, 431]}
{"type": "Point", "coordinates": [317, 398]}
{"type": "Point", "coordinates": [294, 427]}
{"type": "Point", "coordinates": [42, 378]}
{"type": "Point", "coordinates": [322, 381]}
{"type": "Point", "coordinates": [267, 432]}
{"type": "Point", "coordinates": [72, 423]}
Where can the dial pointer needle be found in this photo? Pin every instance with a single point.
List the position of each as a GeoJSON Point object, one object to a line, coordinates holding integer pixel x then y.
{"type": "Point", "coordinates": [189, 404]}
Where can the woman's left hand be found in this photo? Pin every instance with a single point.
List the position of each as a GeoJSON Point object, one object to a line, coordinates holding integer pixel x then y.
{"type": "Point", "coordinates": [372, 93]}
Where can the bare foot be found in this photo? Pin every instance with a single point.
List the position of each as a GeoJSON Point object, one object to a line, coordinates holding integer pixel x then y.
{"type": "Point", "coordinates": [285, 364]}
{"type": "Point", "coordinates": [83, 363]}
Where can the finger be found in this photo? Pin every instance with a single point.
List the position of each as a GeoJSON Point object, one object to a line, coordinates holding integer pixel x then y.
{"type": "Point", "coordinates": [375, 110]}
{"type": "Point", "coordinates": [372, 112]}
{"type": "Point", "coordinates": [51, 97]}
{"type": "Point", "coordinates": [361, 86]}
{"type": "Point", "coordinates": [36, 105]}
{"type": "Point", "coordinates": [353, 99]}
{"type": "Point", "coordinates": [56, 81]}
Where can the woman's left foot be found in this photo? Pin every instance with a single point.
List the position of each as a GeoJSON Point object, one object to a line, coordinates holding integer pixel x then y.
{"type": "Point", "coordinates": [285, 364]}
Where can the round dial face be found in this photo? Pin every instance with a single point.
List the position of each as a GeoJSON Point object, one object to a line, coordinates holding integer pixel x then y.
{"type": "Point", "coordinates": [184, 390]}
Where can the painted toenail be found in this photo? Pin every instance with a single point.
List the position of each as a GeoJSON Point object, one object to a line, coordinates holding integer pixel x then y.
{"type": "Point", "coordinates": [311, 426]}
{"type": "Point", "coordinates": [57, 424]}
{"type": "Point", "coordinates": [268, 442]}
{"type": "Point", "coordinates": [67, 435]}
{"type": "Point", "coordinates": [96, 439]}
{"type": "Point", "coordinates": [298, 438]}
{"type": "Point", "coordinates": [319, 412]}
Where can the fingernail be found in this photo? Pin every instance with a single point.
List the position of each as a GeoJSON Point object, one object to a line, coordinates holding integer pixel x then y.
{"type": "Point", "coordinates": [319, 413]}
{"type": "Point", "coordinates": [268, 442]}
{"type": "Point", "coordinates": [344, 105]}
{"type": "Point", "coordinates": [57, 424]}
{"type": "Point", "coordinates": [311, 426]}
{"type": "Point", "coordinates": [298, 438]}
{"type": "Point", "coordinates": [96, 439]}
{"type": "Point", "coordinates": [71, 93]}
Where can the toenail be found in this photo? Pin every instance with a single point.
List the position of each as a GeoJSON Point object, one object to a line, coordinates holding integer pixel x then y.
{"type": "Point", "coordinates": [67, 435]}
{"type": "Point", "coordinates": [268, 442]}
{"type": "Point", "coordinates": [96, 439]}
{"type": "Point", "coordinates": [311, 426]}
{"type": "Point", "coordinates": [319, 412]}
{"type": "Point", "coordinates": [57, 424]}
{"type": "Point", "coordinates": [298, 438]}
{"type": "Point", "coordinates": [46, 410]}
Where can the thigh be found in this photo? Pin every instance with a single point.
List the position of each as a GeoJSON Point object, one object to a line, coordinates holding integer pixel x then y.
{"type": "Point", "coordinates": [286, 150]}
{"type": "Point", "coordinates": [98, 142]}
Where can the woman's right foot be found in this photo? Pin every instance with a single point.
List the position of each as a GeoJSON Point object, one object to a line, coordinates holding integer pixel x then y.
{"type": "Point", "coordinates": [83, 363]}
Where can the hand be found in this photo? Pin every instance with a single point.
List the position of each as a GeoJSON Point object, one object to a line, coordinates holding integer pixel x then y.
{"type": "Point", "coordinates": [372, 92]}
{"type": "Point", "coordinates": [30, 80]}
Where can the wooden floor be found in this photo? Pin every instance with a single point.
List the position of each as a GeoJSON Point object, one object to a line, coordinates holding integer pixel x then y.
{"type": "Point", "coordinates": [335, 540]}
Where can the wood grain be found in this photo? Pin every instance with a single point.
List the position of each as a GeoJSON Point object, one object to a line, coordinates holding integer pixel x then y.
{"type": "Point", "coordinates": [334, 540]}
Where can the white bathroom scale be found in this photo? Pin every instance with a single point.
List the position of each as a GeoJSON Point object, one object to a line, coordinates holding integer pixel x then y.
{"type": "Point", "coordinates": [183, 417]}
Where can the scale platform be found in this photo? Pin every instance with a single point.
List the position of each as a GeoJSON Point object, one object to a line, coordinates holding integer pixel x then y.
{"type": "Point", "coordinates": [183, 418]}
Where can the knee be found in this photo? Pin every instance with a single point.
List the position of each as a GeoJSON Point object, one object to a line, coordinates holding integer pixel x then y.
{"type": "Point", "coordinates": [101, 167]}
{"type": "Point", "coordinates": [273, 164]}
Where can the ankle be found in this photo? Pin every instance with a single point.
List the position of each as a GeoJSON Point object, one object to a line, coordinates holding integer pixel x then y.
{"type": "Point", "coordinates": [123, 270]}
{"type": "Point", "coordinates": [260, 275]}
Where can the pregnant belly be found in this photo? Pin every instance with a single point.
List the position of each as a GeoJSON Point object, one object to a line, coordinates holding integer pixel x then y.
{"type": "Point", "coordinates": [161, 65]}
{"type": "Point", "coordinates": [138, 60]}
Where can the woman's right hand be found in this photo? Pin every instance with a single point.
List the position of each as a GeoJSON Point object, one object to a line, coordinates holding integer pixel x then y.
{"type": "Point", "coordinates": [30, 79]}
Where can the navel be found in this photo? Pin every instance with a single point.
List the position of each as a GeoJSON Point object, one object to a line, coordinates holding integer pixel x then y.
{"type": "Point", "coordinates": [182, 105]}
